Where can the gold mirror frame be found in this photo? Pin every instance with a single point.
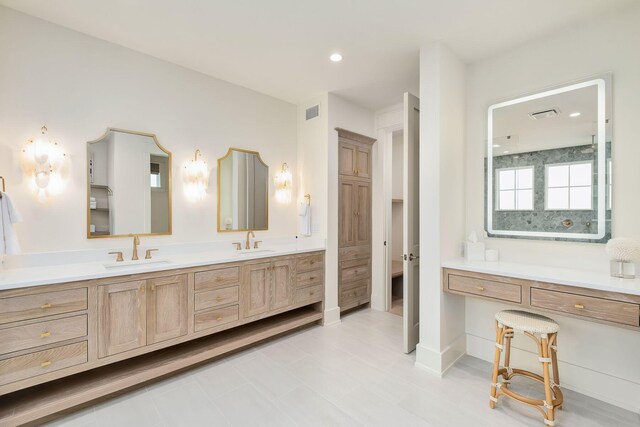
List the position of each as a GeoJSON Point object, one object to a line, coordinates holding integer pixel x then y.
{"type": "Point", "coordinates": [229, 153]}
{"type": "Point", "coordinates": [169, 166]}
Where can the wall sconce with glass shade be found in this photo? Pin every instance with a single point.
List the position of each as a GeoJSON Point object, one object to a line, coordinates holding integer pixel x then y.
{"type": "Point", "coordinates": [44, 161]}
{"type": "Point", "coordinates": [196, 176]}
{"type": "Point", "coordinates": [283, 183]}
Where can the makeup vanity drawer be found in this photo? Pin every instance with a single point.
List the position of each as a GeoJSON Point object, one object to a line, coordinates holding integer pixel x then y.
{"type": "Point", "coordinates": [213, 318]}
{"type": "Point", "coordinates": [485, 288]}
{"type": "Point", "coordinates": [217, 278]}
{"type": "Point", "coordinates": [42, 333]}
{"type": "Point", "coordinates": [42, 362]}
{"type": "Point", "coordinates": [216, 298]}
{"type": "Point", "coordinates": [309, 278]}
{"type": "Point", "coordinates": [310, 262]}
{"type": "Point", "coordinates": [13, 309]}
{"type": "Point", "coordinates": [309, 294]}
{"type": "Point", "coordinates": [597, 308]}
{"type": "Point", "coordinates": [355, 270]}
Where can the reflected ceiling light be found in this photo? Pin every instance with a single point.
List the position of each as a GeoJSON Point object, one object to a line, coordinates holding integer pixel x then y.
{"type": "Point", "coordinates": [505, 152]}
{"type": "Point", "coordinates": [496, 145]}
{"type": "Point", "coordinates": [335, 57]}
{"type": "Point", "coordinates": [576, 114]}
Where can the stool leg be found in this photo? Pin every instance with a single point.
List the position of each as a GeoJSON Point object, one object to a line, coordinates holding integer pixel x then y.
{"type": "Point", "coordinates": [507, 356]}
{"type": "Point", "coordinates": [554, 362]}
{"type": "Point", "coordinates": [496, 365]}
{"type": "Point", "coordinates": [545, 360]}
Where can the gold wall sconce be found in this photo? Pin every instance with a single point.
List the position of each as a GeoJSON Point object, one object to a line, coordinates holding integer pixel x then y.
{"type": "Point", "coordinates": [283, 184]}
{"type": "Point", "coordinates": [44, 161]}
{"type": "Point", "coordinates": [196, 177]}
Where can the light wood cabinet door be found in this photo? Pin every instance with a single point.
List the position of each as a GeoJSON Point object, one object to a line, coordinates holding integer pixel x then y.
{"type": "Point", "coordinates": [347, 159]}
{"type": "Point", "coordinates": [347, 220]}
{"type": "Point", "coordinates": [255, 289]}
{"type": "Point", "coordinates": [122, 317]}
{"type": "Point", "coordinates": [363, 162]}
{"type": "Point", "coordinates": [362, 203]}
{"type": "Point", "coordinates": [282, 283]}
{"type": "Point", "coordinates": [166, 308]}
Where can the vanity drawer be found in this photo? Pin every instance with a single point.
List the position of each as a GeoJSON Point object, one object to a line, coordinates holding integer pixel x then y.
{"type": "Point", "coordinates": [213, 318]}
{"type": "Point", "coordinates": [42, 362]}
{"type": "Point", "coordinates": [13, 309]}
{"type": "Point", "coordinates": [42, 333]}
{"type": "Point", "coordinates": [485, 288]}
{"type": "Point", "coordinates": [309, 294]}
{"type": "Point", "coordinates": [354, 295]}
{"type": "Point", "coordinates": [309, 278]}
{"type": "Point", "coordinates": [355, 270]}
{"type": "Point", "coordinates": [355, 252]}
{"type": "Point", "coordinates": [216, 297]}
{"type": "Point", "coordinates": [310, 262]}
{"type": "Point", "coordinates": [596, 308]}
{"type": "Point", "coordinates": [217, 278]}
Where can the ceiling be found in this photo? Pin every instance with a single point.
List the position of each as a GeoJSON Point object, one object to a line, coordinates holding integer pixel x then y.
{"type": "Point", "coordinates": [281, 47]}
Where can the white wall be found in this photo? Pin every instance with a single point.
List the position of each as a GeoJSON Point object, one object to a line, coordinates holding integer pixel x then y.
{"type": "Point", "coordinates": [442, 100]}
{"type": "Point", "coordinates": [78, 86]}
{"type": "Point", "coordinates": [597, 360]}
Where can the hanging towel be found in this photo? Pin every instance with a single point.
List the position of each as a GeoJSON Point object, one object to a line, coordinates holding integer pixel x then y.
{"type": "Point", "coordinates": [8, 216]}
{"type": "Point", "coordinates": [305, 219]}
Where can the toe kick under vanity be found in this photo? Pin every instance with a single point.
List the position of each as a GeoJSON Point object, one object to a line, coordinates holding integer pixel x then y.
{"type": "Point", "coordinates": [581, 294]}
{"type": "Point", "coordinates": [64, 345]}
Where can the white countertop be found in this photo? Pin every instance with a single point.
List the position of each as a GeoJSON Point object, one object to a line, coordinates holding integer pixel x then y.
{"type": "Point", "coordinates": [69, 272]}
{"type": "Point", "coordinates": [601, 281]}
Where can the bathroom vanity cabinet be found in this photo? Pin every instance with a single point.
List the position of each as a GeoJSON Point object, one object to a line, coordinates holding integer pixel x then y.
{"type": "Point", "coordinates": [64, 345]}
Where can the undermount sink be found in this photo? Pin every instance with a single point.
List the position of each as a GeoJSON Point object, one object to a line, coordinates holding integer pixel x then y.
{"type": "Point", "coordinates": [253, 251]}
{"type": "Point", "coordinates": [132, 265]}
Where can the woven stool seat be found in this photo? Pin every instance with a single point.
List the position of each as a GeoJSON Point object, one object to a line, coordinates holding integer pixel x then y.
{"type": "Point", "coordinates": [523, 321]}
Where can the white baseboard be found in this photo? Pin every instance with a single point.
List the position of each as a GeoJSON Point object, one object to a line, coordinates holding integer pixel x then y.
{"type": "Point", "coordinates": [616, 391]}
{"type": "Point", "coordinates": [331, 316]}
{"type": "Point", "coordinates": [439, 362]}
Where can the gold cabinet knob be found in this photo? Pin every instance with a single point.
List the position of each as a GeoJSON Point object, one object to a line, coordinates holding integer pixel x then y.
{"type": "Point", "coordinates": [219, 318]}
{"type": "Point", "coordinates": [45, 363]}
{"type": "Point", "coordinates": [579, 306]}
{"type": "Point", "coordinates": [45, 334]}
{"type": "Point", "coordinates": [45, 305]}
{"type": "Point", "coordinates": [480, 288]}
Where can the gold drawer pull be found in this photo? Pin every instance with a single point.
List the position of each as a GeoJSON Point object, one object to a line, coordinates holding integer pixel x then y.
{"type": "Point", "coordinates": [219, 318]}
{"type": "Point", "coordinates": [45, 364]}
{"type": "Point", "coordinates": [312, 278]}
{"type": "Point", "coordinates": [218, 298]}
{"type": "Point", "coordinates": [311, 293]}
{"type": "Point", "coordinates": [579, 306]}
{"type": "Point", "coordinates": [45, 334]}
{"type": "Point", "coordinates": [45, 305]}
{"type": "Point", "coordinates": [480, 288]}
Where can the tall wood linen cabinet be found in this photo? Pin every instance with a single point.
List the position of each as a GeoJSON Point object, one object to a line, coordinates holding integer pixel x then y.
{"type": "Point", "coordinates": [354, 222]}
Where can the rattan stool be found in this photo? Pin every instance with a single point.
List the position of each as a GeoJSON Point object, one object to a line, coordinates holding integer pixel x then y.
{"type": "Point", "coordinates": [532, 325]}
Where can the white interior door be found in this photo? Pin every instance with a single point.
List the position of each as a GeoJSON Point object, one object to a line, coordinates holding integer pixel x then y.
{"type": "Point", "coordinates": [411, 226]}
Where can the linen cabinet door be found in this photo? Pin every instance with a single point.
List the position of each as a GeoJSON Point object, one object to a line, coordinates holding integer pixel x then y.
{"type": "Point", "coordinates": [362, 202]}
{"type": "Point", "coordinates": [122, 317]}
{"type": "Point", "coordinates": [363, 162]}
{"type": "Point", "coordinates": [347, 159]}
{"type": "Point", "coordinates": [166, 308]}
{"type": "Point", "coordinates": [282, 281]}
{"type": "Point", "coordinates": [347, 220]}
{"type": "Point", "coordinates": [255, 289]}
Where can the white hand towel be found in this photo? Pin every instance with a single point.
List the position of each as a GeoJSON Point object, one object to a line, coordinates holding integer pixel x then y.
{"type": "Point", "coordinates": [8, 216]}
{"type": "Point", "coordinates": [305, 219]}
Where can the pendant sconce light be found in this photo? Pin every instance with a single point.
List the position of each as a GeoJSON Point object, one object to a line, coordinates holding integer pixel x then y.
{"type": "Point", "coordinates": [44, 162]}
{"type": "Point", "coordinates": [283, 183]}
{"type": "Point", "coordinates": [196, 178]}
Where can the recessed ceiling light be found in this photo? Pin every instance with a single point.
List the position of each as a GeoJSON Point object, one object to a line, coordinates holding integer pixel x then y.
{"type": "Point", "coordinates": [496, 145]}
{"type": "Point", "coordinates": [576, 114]}
{"type": "Point", "coordinates": [335, 57]}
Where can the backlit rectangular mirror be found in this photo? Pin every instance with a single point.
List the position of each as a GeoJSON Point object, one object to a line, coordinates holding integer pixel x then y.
{"type": "Point", "coordinates": [243, 192]}
{"type": "Point", "coordinates": [548, 168]}
{"type": "Point", "coordinates": [129, 185]}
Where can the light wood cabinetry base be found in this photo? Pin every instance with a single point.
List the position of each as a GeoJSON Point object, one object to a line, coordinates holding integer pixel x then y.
{"type": "Point", "coordinates": [65, 345]}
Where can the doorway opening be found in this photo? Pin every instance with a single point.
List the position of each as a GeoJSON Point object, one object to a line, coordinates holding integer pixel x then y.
{"type": "Point", "coordinates": [396, 229]}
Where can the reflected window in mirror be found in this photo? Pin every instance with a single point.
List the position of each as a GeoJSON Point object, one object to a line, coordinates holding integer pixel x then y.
{"type": "Point", "coordinates": [129, 185]}
{"type": "Point", "coordinates": [548, 168]}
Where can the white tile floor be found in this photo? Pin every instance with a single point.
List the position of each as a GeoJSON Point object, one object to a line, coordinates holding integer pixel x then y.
{"type": "Point", "coordinates": [352, 374]}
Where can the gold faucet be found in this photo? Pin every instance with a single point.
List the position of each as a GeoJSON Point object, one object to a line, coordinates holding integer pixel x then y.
{"type": "Point", "coordinates": [248, 244]}
{"type": "Point", "coordinates": [136, 242]}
